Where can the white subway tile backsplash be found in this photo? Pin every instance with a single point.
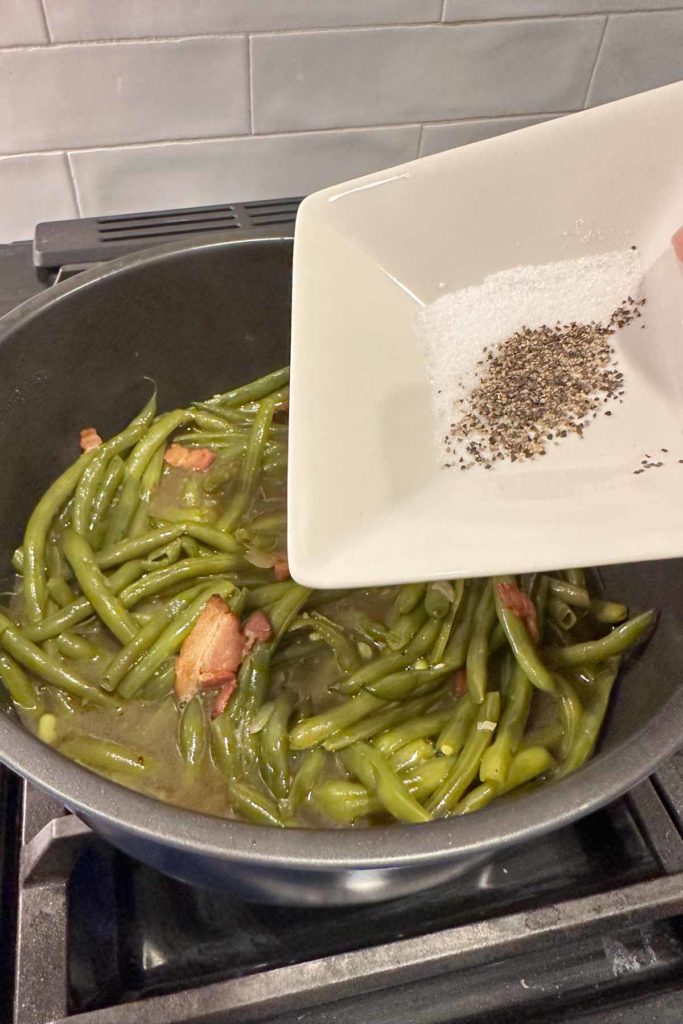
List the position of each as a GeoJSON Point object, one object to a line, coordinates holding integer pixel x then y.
{"type": "Point", "coordinates": [380, 76]}
{"type": "Point", "coordinates": [480, 10]}
{"type": "Point", "coordinates": [118, 19]}
{"type": "Point", "coordinates": [639, 52]}
{"type": "Point", "coordinates": [21, 22]}
{"type": "Point", "coordinates": [437, 137]}
{"type": "Point", "coordinates": [219, 171]}
{"type": "Point", "coordinates": [64, 96]}
{"type": "Point", "coordinates": [33, 188]}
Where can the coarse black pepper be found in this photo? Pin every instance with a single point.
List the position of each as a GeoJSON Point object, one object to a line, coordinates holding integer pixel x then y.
{"type": "Point", "coordinates": [540, 385]}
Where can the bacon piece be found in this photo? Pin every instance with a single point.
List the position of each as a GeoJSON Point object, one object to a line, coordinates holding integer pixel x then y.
{"type": "Point", "coordinates": [89, 439]}
{"type": "Point", "coordinates": [281, 567]}
{"type": "Point", "coordinates": [460, 682]}
{"type": "Point", "coordinates": [257, 627]}
{"type": "Point", "coordinates": [677, 242]}
{"type": "Point", "coordinates": [211, 653]}
{"type": "Point", "coordinates": [223, 697]}
{"type": "Point", "coordinates": [521, 605]}
{"type": "Point", "coordinates": [197, 459]}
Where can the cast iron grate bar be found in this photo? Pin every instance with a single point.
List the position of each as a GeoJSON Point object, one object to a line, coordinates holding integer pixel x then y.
{"type": "Point", "coordinates": [94, 239]}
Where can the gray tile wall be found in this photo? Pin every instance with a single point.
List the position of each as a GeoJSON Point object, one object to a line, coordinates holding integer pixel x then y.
{"type": "Point", "coordinates": [126, 105]}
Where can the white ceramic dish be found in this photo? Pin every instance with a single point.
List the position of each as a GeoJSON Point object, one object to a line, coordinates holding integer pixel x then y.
{"type": "Point", "coordinates": [368, 501]}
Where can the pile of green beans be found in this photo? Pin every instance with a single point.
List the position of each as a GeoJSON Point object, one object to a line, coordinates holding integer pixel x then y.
{"type": "Point", "coordinates": [364, 707]}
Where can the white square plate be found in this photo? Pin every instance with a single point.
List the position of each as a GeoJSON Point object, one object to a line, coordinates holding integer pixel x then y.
{"type": "Point", "coordinates": [368, 501]}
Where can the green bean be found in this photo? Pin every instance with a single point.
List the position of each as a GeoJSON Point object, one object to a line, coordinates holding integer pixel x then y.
{"type": "Point", "coordinates": [285, 610]}
{"type": "Point", "coordinates": [344, 801]}
{"type": "Point", "coordinates": [104, 496]}
{"type": "Point", "coordinates": [570, 713]}
{"type": "Point", "coordinates": [269, 522]}
{"type": "Point", "coordinates": [149, 484]}
{"type": "Point", "coordinates": [496, 762]}
{"type": "Point", "coordinates": [225, 437]}
{"type": "Point", "coordinates": [405, 628]}
{"type": "Point", "coordinates": [81, 609]}
{"type": "Point", "coordinates": [93, 479]}
{"type": "Point", "coordinates": [71, 645]}
{"type": "Point", "coordinates": [312, 731]}
{"type": "Point", "coordinates": [53, 557]}
{"type": "Point", "coordinates": [576, 577]}
{"type": "Point", "coordinates": [591, 722]}
{"type": "Point", "coordinates": [375, 772]}
{"type": "Point", "coordinates": [50, 669]}
{"type": "Point", "coordinates": [275, 748]}
{"type": "Point", "coordinates": [527, 765]}
{"type": "Point", "coordinates": [561, 613]}
{"type": "Point", "coordinates": [456, 648]}
{"type": "Point", "coordinates": [549, 735]}
{"type": "Point", "coordinates": [252, 688]}
{"type": "Point", "coordinates": [37, 529]}
{"type": "Point", "coordinates": [106, 755]}
{"type": "Point", "coordinates": [454, 731]}
{"type": "Point", "coordinates": [251, 469]}
{"type": "Point", "coordinates": [444, 800]}
{"type": "Point", "coordinates": [18, 685]}
{"type": "Point", "coordinates": [520, 641]}
{"type": "Point", "coordinates": [578, 597]}
{"type": "Point", "coordinates": [60, 591]}
{"type": "Point", "coordinates": [138, 460]}
{"type": "Point", "coordinates": [269, 593]}
{"type": "Point", "coordinates": [305, 778]}
{"type": "Point", "coordinates": [94, 586]}
{"type": "Point", "coordinates": [192, 734]}
{"type": "Point", "coordinates": [446, 627]}
{"type": "Point", "coordinates": [170, 639]}
{"type": "Point", "coordinates": [187, 569]}
{"type": "Point", "coordinates": [438, 599]}
{"type": "Point", "coordinates": [478, 650]}
{"type": "Point", "coordinates": [379, 667]}
{"type": "Point", "coordinates": [121, 664]}
{"type": "Point", "coordinates": [367, 630]}
{"type": "Point", "coordinates": [344, 650]}
{"type": "Point", "coordinates": [136, 547]}
{"type": "Point", "coordinates": [253, 391]}
{"type": "Point", "coordinates": [369, 726]}
{"type": "Point", "coordinates": [260, 719]}
{"type": "Point", "coordinates": [224, 745]}
{"type": "Point", "coordinates": [609, 611]}
{"type": "Point", "coordinates": [209, 418]}
{"type": "Point", "coordinates": [409, 596]}
{"type": "Point", "coordinates": [425, 725]}
{"type": "Point", "coordinates": [252, 804]}
{"type": "Point", "coordinates": [221, 540]}
{"type": "Point", "coordinates": [409, 682]}
{"type": "Point", "coordinates": [160, 686]}
{"type": "Point", "coordinates": [614, 643]}
{"type": "Point", "coordinates": [411, 753]}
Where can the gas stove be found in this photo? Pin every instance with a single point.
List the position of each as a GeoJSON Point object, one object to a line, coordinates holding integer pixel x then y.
{"type": "Point", "coordinates": [583, 925]}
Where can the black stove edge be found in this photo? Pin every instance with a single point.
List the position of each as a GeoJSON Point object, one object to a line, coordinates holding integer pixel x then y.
{"type": "Point", "coordinates": [257, 996]}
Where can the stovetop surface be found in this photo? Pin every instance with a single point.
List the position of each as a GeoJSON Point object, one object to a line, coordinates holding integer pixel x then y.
{"type": "Point", "coordinates": [582, 925]}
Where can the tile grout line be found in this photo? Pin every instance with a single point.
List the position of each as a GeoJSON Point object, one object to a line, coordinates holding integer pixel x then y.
{"type": "Point", "coordinates": [250, 83]}
{"type": "Point", "coordinates": [293, 133]}
{"type": "Point", "coordinates": [46, 22]}
{"type": "Point", "coordinates": [595, 64]}
{"type": "Point", "coordinates": [74, 186]}
{"type": "Point", "coordinates": [237, 33]}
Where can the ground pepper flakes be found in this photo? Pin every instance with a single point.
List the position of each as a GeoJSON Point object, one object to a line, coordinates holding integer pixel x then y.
{"type": "Point", "coordinates": [537, 387]}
